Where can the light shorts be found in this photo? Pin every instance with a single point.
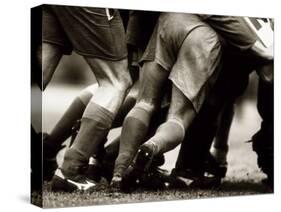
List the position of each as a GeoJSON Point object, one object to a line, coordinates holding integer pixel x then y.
{"type": "Point", "coordinates": [189, 49]}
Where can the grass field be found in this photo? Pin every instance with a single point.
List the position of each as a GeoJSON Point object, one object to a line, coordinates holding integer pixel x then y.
{"type": "Point", "coordinates": [243, 175]}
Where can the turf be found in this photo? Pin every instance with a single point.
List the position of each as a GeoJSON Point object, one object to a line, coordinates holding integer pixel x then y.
{"type": "Point", "coordinates": [108, 197]}
{"type": "Point", "coordinates": [243, 178]}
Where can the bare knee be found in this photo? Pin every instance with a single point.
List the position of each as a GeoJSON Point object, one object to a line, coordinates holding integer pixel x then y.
{"type": "Point", "coordinates": [124, 83]}
{"type": "Point", "coordinates": [112, 75]}
{"type": "Point", "coordinates": [119, 87]}
{"type": "Point", "coordinates": [121, 79]}
{"type": "Point", "coordinates": [111, 94]}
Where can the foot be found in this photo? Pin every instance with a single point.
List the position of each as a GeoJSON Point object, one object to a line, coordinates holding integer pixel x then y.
{"type": "Point", "coordinates": [158, 160]}
{"type": "Point", "coordinates": [144, 157]}
{"type": "Point", "coordinates": [142, 169]}
{"type": "Point", "coordinates": [94, 171]}
{"type": "Point", "coordinates": [264, 148]}
{"type": "Point", "coordinates": [115, 184]}
{"type": "Point", "coordinates": [154, 179]}
{"type": "Point", "coordinates": [62, 183]}
{"type": "Point", "coordinates": [216, 164]}
{"type": "Point", "coordinates": [159, 179]}
{"type": "Point", "coordinates": [192, 179]}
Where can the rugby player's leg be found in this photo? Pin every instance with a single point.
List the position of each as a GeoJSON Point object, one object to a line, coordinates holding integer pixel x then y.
{"type": "Point", "coordinates": [169, 134]}
{"type": "Point", "coordinates": [220, 144]}
{"type": "Point", "coordinates": [114, 80]}
{"type": "Point", "coordinates": [102, 164]}
{"type": "Point", "coordinates": [54, 44]}
{"type": "Point", "coordinates": [136, 123]}
{"type": "Point", "coordinates": [216, 162]}
{"type": "Point", "coordinates": [50, 60]}
{"type": "Point", "coordinates": [263, 140]}
{"type": "Point", "coordinates": [111, 149]}
{"type": "Point", "coordinates": [127, 105]}
{"type": "Point", "coordinates": [231, 83]}
{"type": "Point", "coordinates": [49, 53]}
{"type": "Point", "coordinates": [103, 47]}
{"type": "Point", "coordinates": [63, 128]}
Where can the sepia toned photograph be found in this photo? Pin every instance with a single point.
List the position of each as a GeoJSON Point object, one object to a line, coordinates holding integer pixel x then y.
{"type": "Point", "coordinates": [133, 106]}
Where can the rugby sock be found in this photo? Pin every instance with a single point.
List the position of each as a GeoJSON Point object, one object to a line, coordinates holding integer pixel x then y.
{"type": "Point", "coordinates": [133, 134]}
{"type": "Point", "coordinates": [111, 150]}
{"type": "Point", "coordinates": [220, 146]}
{"type": "Point", "coordinates": [95, 124]}
{"type": "Point", "coordinates": [63, 128]}
{"type": "Point", "coordinates": [71, 166]}
{"type": "Point", "coordinates": [167, 137]}
{"type": "Point", "coordinates": [127, 105]}
{"type": "Point", "coordinates": [220, 154]}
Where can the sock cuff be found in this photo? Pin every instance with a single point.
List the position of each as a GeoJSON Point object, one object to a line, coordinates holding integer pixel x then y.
{"type": "Point", "coordinates": [80, 100]}
{"type": "Point", "coordinates": [143, 106]}
{"type": "Point", "coordinates": [138, 107]}
{"type": "Point", "coordinates": [177, 122]}
{"type": "Point", "coordinates": [98, 113]}
{"type": "Point", "coordinates": [140, 114]}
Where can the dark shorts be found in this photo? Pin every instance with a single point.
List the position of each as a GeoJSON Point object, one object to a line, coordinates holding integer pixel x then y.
{"type": "Point", "coordinates": [91, 32]}
{"type": "Point", "coordinates": [140, 27]}
{"type": "Point", "coordinates": [233, 29]}
{"type": "Point", "coordinates": [189, 49]}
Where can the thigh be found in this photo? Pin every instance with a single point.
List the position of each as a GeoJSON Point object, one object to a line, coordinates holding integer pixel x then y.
{"type": "Point", "coordinates": [152, 81]}
{"type": "Point", "coordinates": [109, 73]}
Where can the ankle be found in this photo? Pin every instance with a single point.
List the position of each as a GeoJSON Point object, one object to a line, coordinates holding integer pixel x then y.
{"type": "Point", "coordinates": [220, 154]}
{"type": "Point", "coordinates": [74, 163]}
{"type": "Point", "coordinates": [152, 146]}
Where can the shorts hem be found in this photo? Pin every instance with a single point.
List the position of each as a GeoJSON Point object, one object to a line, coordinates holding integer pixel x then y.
{"type": "Point", "coordinates": [162, 64]}
{"type": "Point", "coordinates": [195, 107]}
{"type": "Point", "coordinates": [66, 50]}
{"type": "Point", "coordinates": [100, 56]}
